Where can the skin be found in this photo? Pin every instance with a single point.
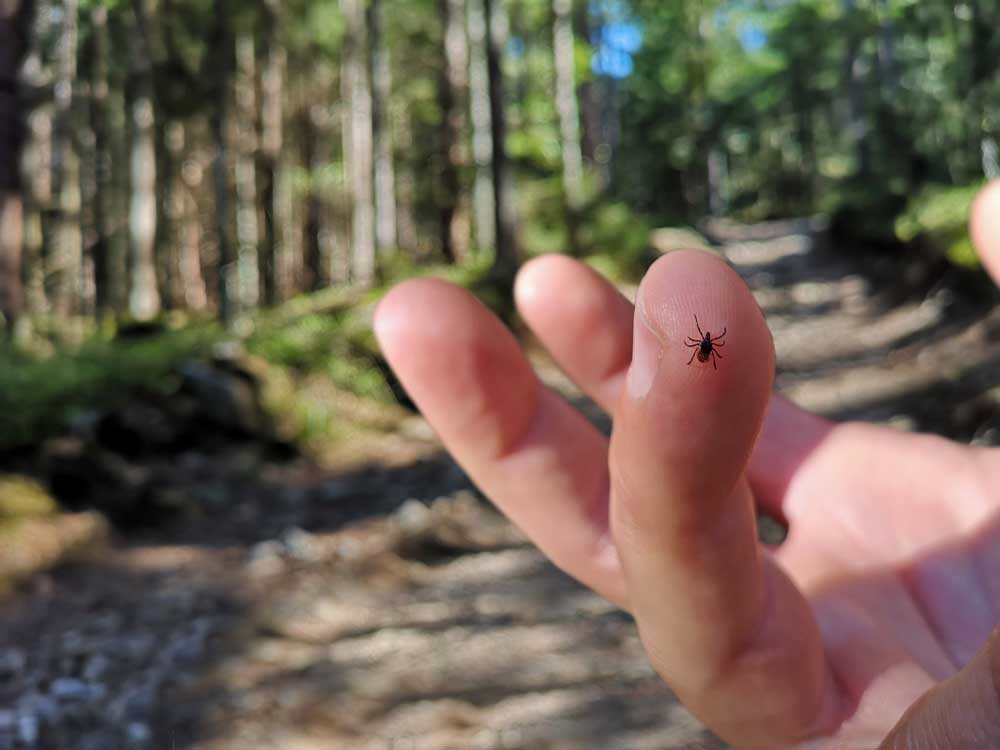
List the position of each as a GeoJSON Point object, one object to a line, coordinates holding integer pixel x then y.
{"type": "Point", "coordinates": [869, 627]}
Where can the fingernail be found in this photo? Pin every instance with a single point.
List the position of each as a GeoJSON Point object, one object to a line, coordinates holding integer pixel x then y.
{"type": "Point", "coordinates": [646, 353]}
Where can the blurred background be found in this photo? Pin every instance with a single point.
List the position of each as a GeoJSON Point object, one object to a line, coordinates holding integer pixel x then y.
{"type": "Point", "coordinates": [222, 523]}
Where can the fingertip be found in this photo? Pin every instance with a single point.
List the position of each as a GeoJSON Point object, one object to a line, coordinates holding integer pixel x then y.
{"type": "Point", "coordinates": [540, 281]}
{"type": "Point", "coordinates": [690, 293]}
{"type": "Point", "coordinates": [984, 227]}
{"type": "Point", "coordinates": [414, 304]}
{"type": "Point", "coordinates": [529, 284]}
{"type": "Point", "coordinates": [386, 318]}
{"type": "Point", "coordinates": [700, 412]}
{"type": "Point", "coordinates": [566, 303]}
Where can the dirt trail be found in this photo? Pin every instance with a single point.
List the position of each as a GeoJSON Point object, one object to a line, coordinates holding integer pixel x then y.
{"type": "Point", "coordinates": [379, 603]}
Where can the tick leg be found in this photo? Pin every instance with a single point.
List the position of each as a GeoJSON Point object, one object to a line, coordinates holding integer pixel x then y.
{"type": "Point", "coordinates": [692, 338]}
{"type": "Point", "coordinates": [692, 356]}
{"type": "Point", "coordinates": [716, 354]}
{"type": "Point", "coordinates": [713, 361]}
{"type": "Point", "coordinates": [699, 326]}
{"type": "Point", "coordinates": [717, 344]}
{"type": "Point", "coordinates": [689, 346]}
{"type": "Point", "coordinates": [723, 334]}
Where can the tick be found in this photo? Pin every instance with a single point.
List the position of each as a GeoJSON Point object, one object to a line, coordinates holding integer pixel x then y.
{"type": "Point", "coordinates": [706, 346]}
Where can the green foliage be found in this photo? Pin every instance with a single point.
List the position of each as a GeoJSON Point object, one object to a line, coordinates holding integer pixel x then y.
{"type": "Point", "coordinates": [863, 214]}
{"type": "Point", "coordinates": [938, 217]}
{"type": "Point", "coordinates": [542, 209]}
{"type": "Point", "coordinates": [40, 396]}
{"type": "Point", "coordinates": [337, 345]}
{"type": "Point", "coordinates": [615, 232]}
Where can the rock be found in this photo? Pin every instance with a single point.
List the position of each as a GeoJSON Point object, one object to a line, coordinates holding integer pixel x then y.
{"type": "Point", "coordinates": [28, 729]}
{"type": "Point", "coordinates": [267, 558]}
{"type": "Point", "coordinates": [301, 545]}
{"type": "Point", "coordinates": [139, 428]}
{"type": "Point", "coordinates": [90, 476]}
{"type": "Point", "coordinates": [43, 707]}
{"type": "Point", "coordinates": [70, 690]}
{"type": "Point", "coordinates": [227, 398]}
{"type": "Point", "coordinates": [12, 663]}
{"type": "Point", "coordinates": [413, 517]}
{"type": "Point", "coordinates": [336, 490]}
{"type": "Point", "coordinates": [138, 734]}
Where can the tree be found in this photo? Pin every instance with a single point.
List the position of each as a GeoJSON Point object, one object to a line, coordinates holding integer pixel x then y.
{"type": "Point", "coordinates": [482, 129]}
{"type": "Point", "coordinates": [386, 231]}
{"type": "Point", "coordinates": [452, 97]}
{"type": "Point", "coordinates": [564, 51]}
{"type": "Point", "coordinates": [245, 158]}
{"type": "Point", "coordinates": [222, 56]}
{"type": "Point", "coordinates": [507, 257]}
{"type": "Point", "coordinates": [14, 21]}
{"type": "Point", "coordinates": [272, 92]}
{"type": "Point", "coordinates": [65, 264]}
{"type": "Point", "coordinates": [144, 296]}
{"type": "Point", "coordinates": [358, 140]}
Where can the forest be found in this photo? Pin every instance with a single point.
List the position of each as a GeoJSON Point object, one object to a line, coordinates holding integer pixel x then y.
{"type": "Point", "coordinates": [213, 157]}
{"type": "Point", "coordinates": [224, 523]}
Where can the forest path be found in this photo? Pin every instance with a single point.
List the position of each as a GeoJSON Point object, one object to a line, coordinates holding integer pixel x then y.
{"type": "Point", "coordinates": [377, 602]}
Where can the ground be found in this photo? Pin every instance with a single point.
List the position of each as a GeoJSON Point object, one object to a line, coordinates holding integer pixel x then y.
{"type": "Point", "coordinates": [370, 598]}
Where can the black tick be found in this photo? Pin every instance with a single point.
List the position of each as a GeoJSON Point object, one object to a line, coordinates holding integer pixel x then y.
{"type": "Point", "coordinates": [706, 346]}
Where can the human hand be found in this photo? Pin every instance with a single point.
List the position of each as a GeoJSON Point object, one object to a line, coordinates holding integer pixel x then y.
{"type": "Point", "coordinates": [888, 583]}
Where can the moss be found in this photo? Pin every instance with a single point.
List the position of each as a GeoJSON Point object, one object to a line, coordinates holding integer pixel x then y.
{"type": "Point", "coordinates": [21, 497]}
{"type": "Point", "coordinates": [31, 545]}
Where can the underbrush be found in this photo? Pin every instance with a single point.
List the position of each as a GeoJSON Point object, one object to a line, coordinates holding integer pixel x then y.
{"type": "Point", "coordinates": [42, 395]}
{"type": "Point", "coordinates": [938, 218]}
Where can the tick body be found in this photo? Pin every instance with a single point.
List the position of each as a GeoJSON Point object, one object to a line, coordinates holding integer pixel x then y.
{"type": "Point", "coordinates": [707, 347]}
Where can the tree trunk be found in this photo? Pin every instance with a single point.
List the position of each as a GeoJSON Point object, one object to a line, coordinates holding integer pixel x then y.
{"type": "Point", "coordinates": [800, 101]}
{"type": "Point", "coordinates": [101, 162]}
{"type": "Point", "coordinates": [313, 266]}
{"type": "Point", "coordinates": [187, 219]}
{"type": "Point", "coordinates": [358, 147]}
{"type": "Point", "coordinates": [221, 71]}
{"type": "Point", "coordinates": [587, 92]}
{"type": "Point", "coordinates": [888, 68]}
{"type": "Point", "coordinates": [247, 229]}
{"type": "Point", "coordinates": [144, 295]}
{"type": "Point", "coordinates": [275, 220]}
{"type": "Point", "coordinates": [117, 168]}
{"type": "Point", "coordinates": [406, 223]}
{"type": "Point", "coordinates": [37, 175]}
{"type": "Point", "coordinates": [14, 23]}
{"type": "Point", "coordinates": [453, 221]}
{"type": "Point", "coordinates": [386, 230]}
{"type": "Point", "coordinates": [982, 70]}
{"type": "Point", "coordinates": [66, 258]}
{"type": "Point", "coordinates": [564, 48]}
{"type": "Point", "coordinates": [857, 123]}
{"type": "Point", "coordinates": [482, 138]}
{"type": "Point", "coordinates": [507, 258]}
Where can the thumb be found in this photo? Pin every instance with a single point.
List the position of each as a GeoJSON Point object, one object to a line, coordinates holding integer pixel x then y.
{"type": "Point", "coordinates": [984, 227]}
{"type": "Point", "coordinates": [962, 713]}
{"type": "Point", "coordinates": [721, 622]}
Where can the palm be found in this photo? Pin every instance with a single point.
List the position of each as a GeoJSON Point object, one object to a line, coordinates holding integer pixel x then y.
{"type": "Point", "coordinates": [893, 539]}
